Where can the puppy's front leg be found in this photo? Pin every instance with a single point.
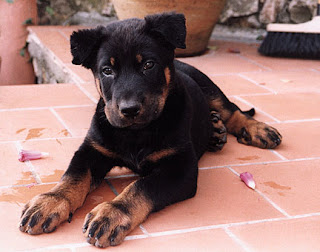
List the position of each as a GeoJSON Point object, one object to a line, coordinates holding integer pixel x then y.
{"type": "Point", "coordinates": [48, 210]}
{"type": "Point", "coordinates": [174, 179]}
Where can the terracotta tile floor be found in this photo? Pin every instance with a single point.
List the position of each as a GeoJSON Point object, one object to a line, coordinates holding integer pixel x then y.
{"type": "Point", "coordinates": [282, 214]}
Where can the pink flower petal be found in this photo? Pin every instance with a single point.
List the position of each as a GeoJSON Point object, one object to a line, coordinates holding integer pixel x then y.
{"type": "Point", "coordinates": [26, 155]}
{"type": "Point", "coordinates": [247, 178]}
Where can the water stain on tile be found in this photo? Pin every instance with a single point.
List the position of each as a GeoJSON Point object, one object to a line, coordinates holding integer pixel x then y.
{"type": "Point", "coordinates": [20, 130]}
{"type": "Point", "coordinates": [247, 158]}
{"type": "Point", "coordinates": [34, 133]}
{"type": "Point", "coordinates": [274, 185]}
{"type": "Point", "coordinates": [57, 140]}
{"type": "Point", "coordinates": [65, 132]}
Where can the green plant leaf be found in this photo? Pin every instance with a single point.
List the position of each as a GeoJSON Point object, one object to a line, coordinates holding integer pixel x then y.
{"type": "Point", "coordinates": [22, 52]}
{"type": "Point", "coordinates": [23, 49]}
{"type": "Point", "coordinates": [28, 22]}
{"type": "Point", "coordinates": [9, 1]}
{"type": "Point", "coordinates": [49, 10]}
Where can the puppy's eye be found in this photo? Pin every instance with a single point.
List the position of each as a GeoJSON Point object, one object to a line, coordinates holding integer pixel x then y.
{"type": "Point", "coordinates": [107, 71]}
{"type": "Point", "coordinates": [148, 65]}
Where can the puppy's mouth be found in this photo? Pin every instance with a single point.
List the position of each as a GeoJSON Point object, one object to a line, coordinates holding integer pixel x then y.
{"type": "Point", "coordinates": [117, 120]}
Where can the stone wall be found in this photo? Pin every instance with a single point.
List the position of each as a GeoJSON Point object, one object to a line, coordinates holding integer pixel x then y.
{"type": "Point", "coordinates": [259, 13]}
{"type": "Point", "coordinates": [238, 13]}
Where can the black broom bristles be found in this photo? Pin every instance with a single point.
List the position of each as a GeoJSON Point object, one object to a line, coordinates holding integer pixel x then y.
{"type": "Point", "coordinates": [292, 45]}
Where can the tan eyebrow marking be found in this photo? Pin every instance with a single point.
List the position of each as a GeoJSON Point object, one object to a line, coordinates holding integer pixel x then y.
{"type": "Point", "coordinates": [139, 58]}
{"type": "Point", "coordinates": [112, 61]}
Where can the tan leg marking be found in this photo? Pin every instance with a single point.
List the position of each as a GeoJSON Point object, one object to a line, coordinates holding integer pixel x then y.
{"type": "Point", "coordinates": [109, 222]}
{"type": "Point", "coordinates": [46, 211]}
{"type": "Point", "coordinates": [217, 105]}
{"type": "Point", "coordinates": [251, 132]}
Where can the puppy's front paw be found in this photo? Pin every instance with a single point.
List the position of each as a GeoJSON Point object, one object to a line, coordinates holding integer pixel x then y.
{"type": "Point", "coordinates": [107, 225]}
{"type": "Point", "coordinates": [44, 213]}
{"type": "Point", "coordinates": [260, 135]}
{"type": "Point", "coordinates": [219, 134]}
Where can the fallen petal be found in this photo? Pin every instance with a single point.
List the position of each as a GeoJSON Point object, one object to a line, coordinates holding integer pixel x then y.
{"type": "Point", "coordinates": [26, 155]}
{"type": "Point", "coordinates": [247, 178]}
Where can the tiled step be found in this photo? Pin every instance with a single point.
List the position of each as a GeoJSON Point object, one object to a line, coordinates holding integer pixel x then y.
{"type": "Point", "coordinates": [282, 214]}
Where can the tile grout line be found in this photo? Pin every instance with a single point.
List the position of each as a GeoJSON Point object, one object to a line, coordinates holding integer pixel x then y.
{"type": "Point", "coordinates": [29, 164]}
{"type": "Point", "coordinates": [265, 197]}
{"type": "Point", "coordinates": [44, 108]}
{"type": "Point", "coordinates": [261, 163]}
{"type": "Point", "coordinates": [186, 230]}
{"type": "Point", "coordinates": [61, 121]}
{"type": "Point", "coordinates": [254, 62]}
{"type": "Point", "coordinates": [93, 99]}
{"type": "Point", "coordinates": [249, 95]}
{"type": "Point", "coordinates": [278, 154]}
{"type": "Point", "coordinates": [236, 73]}
{"type": "Point", "coordinates": [256, 83]}
{"type": "Point", "coordinates": [121, 176]}
{"type": "Point", "coordinates": [236, 239]}
{"type": "Point", "coordinates": [64, 35]}
{"type": "Point", "coordinates": [255, 107]}
{"type": "Point", "coordinates": [26, 185]}
{"type": "Point", "coordinates": [113, 189]}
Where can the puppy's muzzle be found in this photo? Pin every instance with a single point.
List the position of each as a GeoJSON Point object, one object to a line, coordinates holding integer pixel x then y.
{"type": "Point", "coordinates": [129, 109]}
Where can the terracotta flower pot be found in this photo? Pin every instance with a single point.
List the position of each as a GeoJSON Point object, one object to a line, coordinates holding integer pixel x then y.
{"type": "Point", "coordinates": [15, 69]}
{"type": "Point", "coordinates": [201, 16]}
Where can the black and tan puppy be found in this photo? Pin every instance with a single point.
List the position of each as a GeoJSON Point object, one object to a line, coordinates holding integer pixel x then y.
{"type": "Point", "coordinates": [156, 116]}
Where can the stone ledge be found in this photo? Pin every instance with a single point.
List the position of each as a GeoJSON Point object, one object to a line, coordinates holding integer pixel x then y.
{"type": "Point", "coordinates": [47, 66]}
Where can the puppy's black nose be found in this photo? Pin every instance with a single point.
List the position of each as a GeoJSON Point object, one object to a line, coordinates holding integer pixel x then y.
{"type": "Point", "coordinates": [129, 109]}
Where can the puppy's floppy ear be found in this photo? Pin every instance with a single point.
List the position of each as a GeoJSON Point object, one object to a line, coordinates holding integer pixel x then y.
{"type": "Point", "coordinates": [170, 27]}
{"type": "Point", "coordinates": [84, 46]}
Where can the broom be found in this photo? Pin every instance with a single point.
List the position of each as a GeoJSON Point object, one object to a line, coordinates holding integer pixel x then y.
{"type": "Point", "coordinates": [293, 40]}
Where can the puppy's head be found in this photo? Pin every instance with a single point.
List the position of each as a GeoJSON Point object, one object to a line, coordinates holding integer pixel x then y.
{"type": "Point", "coordinates": [132, 61]}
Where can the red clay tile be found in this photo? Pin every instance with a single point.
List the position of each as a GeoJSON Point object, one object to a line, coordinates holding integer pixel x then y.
{"type": "Point", "coordinates": [259, 115]}
{"type": "Point", "coordinates": [12, 171]}
{"type": "Point", "coordinates": [236, 85]}
{"type": "Point", "coordinates": [46, 95]}
{"type": "Point", "coordinates": [50, 169]}
{"type": "Point", "coordinates": [30, 124]}
{"type": "Point", "coordinates": [302, 105]}
{"type": "Point", "coordinates": [293, 186]}
{"type": "Point", "coordinates": [77, 119]}
{"type": "Point", "coordinates": [300, 140]}
{"type": "Point", "coordinates": [277, 64]}
{"type": "Point", "coordinates": [288, 235]}
{"type": "Point", "coordinates": [229, 46]}
{"type": "Point", "coordinates": [214, 63]}
{"type": "Point", "coordinates": [221, 198]}
{"type": "Point", "coordinates": [66, 233]}
{"type": "Point", "coordinates": [195, 241]}
{"type": "Point", "coordinates": [288, 81]}
{"type": "Point", "coordinates": [56, 42]}
{"type": "Point", "coordinates": [85, 74]}
{"type": "Point", "coordinates": [236, 153]}
{"type": "Point", "coordinates": [91, 89]}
